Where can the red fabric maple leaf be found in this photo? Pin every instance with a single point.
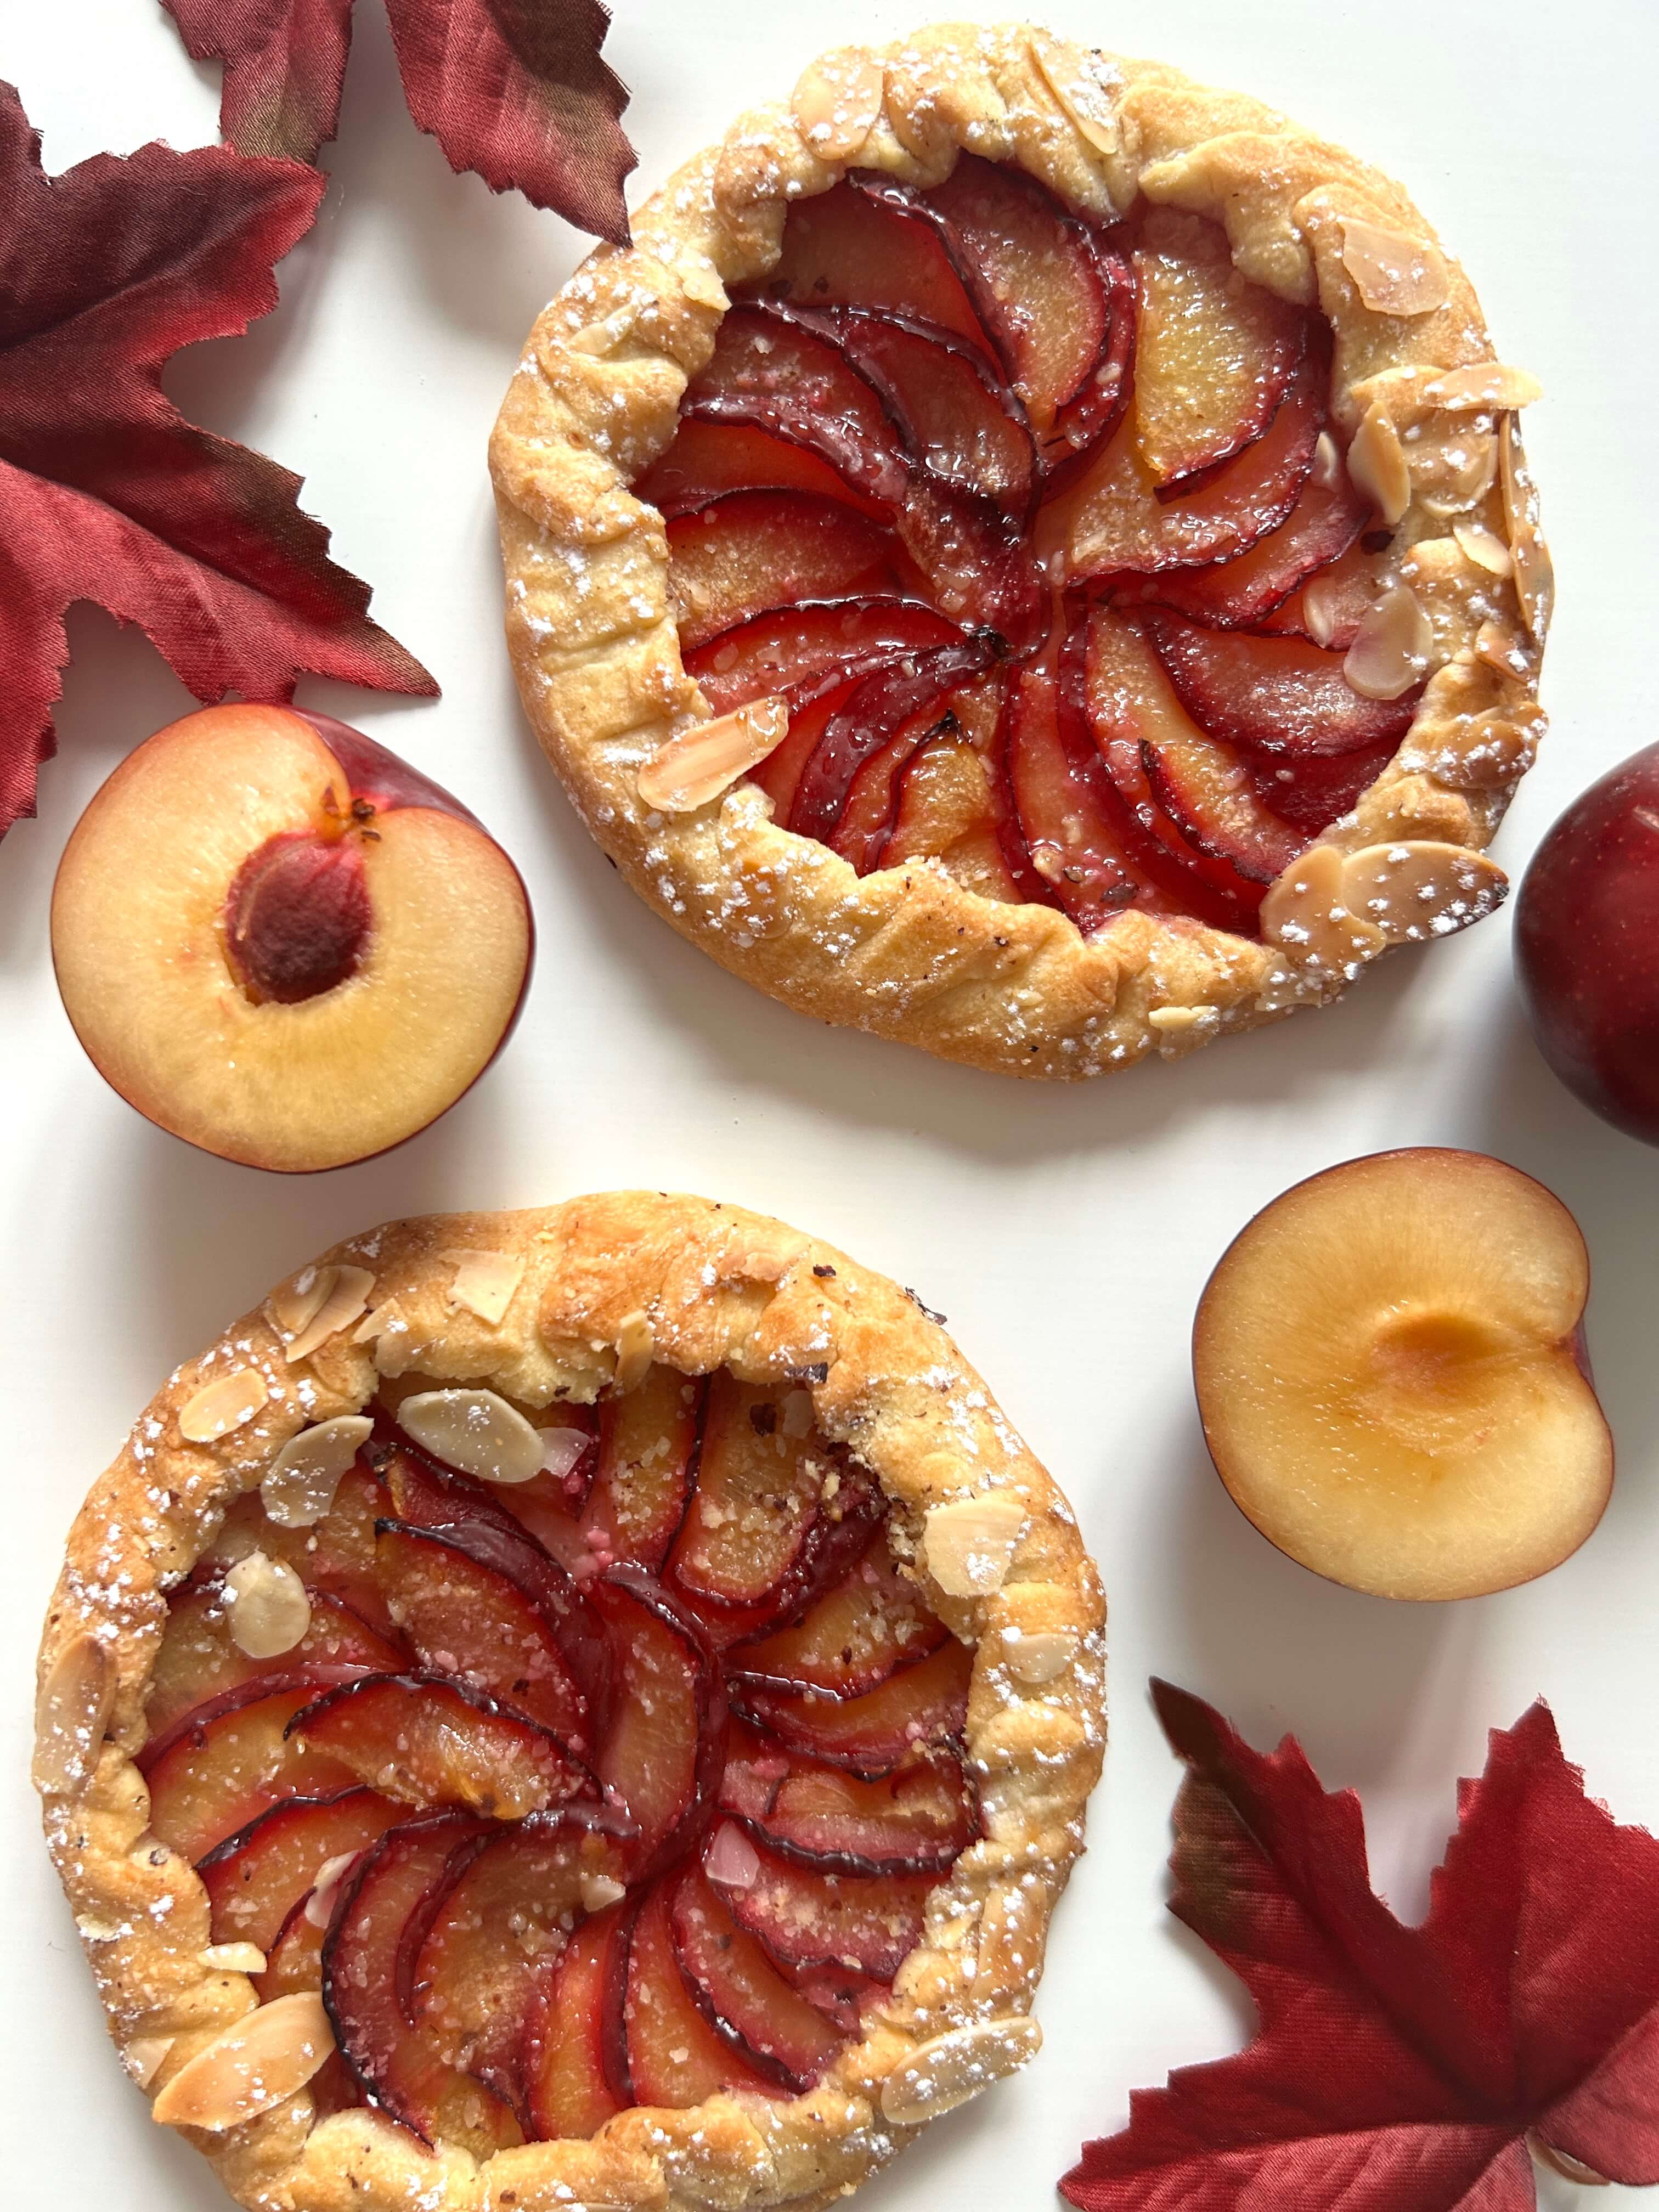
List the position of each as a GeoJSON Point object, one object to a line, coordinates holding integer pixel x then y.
{"type": "Point", "coordinates": [107, 492]}
{"type": "Point", "coordinates": [1396, 2069]}
{"type": "Point", "coordinates": [514, 89]}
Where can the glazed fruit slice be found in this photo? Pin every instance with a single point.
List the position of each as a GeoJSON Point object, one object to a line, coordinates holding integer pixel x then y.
{"type": "Point", "coordinates": [1063, 840]}
{"type": "Point", "coordinates": [566, 2086]}
{"type": "Point", "coordinates": [741, 1994]}
{"type": "Point", "coordinates": [662, 1755]}
{"type": "Point", "coordinates": [710, 458]}
{"type": "Point", "coordinates": [674, 2055]}
{"type": "Point", "coordinates": [919, 1820]}
{"type": "Point", "coordinates": [1215, 358]}
{"type": "Point", "coordinates": [464, 1617]}
{"type": "Point", "coordinates": [806, 1919]}
{"type": "Point", "coordinates": [857, 1634]}
{"type": "Point", "coordinates": [878, 708]}
{"type": "Point", "coordinates": [847, 247]}
{"type": "Point", "coordinates": [198, 1658]}
{"type": "Point", "coordinates": [1277, 695]}
{"type": "Point", "coordinates": [923, 1703]}
{"type": "Point", "coordinates": [759, 1489]}
{"type": "Point", "coordinates": [227, 1760]}
{"type": "Point", "coordinates": [365, 1978]}
{"type": "Point", "coordinates": [336, 1556]}
{"type": "Point", "coordinates": [256, 1878]}
{"type": "Point", "coordinates": [650, 1442]}
{"type": "Point", "coordinates": [947, 810]}
{"type": "Point", "coordinates": [863, 832]}
{"type": "Point", "coordinates": [792, 650]}
{"type": "Point", "coordinates": [498, 1925]}
{"type": "Point", "coordinates": [751, 551]}
{"type": "Point", "coordinates": [1327, 519]}
{"type": "Point", "coordinates": [431, 1740]}
{"type": "Point", "coordinates": [974, 567]}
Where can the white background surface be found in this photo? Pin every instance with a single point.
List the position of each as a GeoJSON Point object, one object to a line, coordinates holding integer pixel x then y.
{"type": "Point", "coordinates": [1065, 1233]}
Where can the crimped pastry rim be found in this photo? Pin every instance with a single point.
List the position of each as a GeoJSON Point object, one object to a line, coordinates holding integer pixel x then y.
{"type": "Point", "coordinates": [907, 952]}
{"type": "Point", "coordinates": [721, 1286]}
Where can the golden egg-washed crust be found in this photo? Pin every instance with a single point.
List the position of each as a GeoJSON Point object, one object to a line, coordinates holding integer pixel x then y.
{"type": "Point", "coordinates": [909, 951]}
{"type": "Point", "coordinates": [716, 1287]}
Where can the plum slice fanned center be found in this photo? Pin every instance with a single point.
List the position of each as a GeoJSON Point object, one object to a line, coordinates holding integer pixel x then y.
{"type": "Point", "coordinates": [951, 431]}
{"type": "Point", "coordinates": [625, 1785]}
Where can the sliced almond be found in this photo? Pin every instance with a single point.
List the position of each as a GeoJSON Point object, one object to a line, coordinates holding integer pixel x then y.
{"type": "Point", "coordinates": [795, 1415]}
{"type": "Point", "coordinates": [598, 1890]}
{"type": "Point", "coordinates": [71, 1715]}
{"type": "Point", "coordinates": [700, 763]}
{"type": "Point", "coordinates": [1175, 1021]}
{"type": "Point", "coordinates": [294, 1304]}
{"type": "Point", "coordinates": [485, 1282]}
{"type": "Point", "coordinates": [475, 1431]}
{"type": "Point", "coordinates": [1376, 464]}
{"type": "Point", "coordinates": [222, 1405]}
{"type": "Point", "coordinates": [1394, 273]}
{"type": "Point", "coordinates": [1503, 649]}
{"type": "Point", "coordinates": [266, 1606]}
{"type": "Point", "coordinates": [1483, 384]}
{"type": "Point", "coordinates": [637, 1348]}
{"type": "Point", "coordinates": [144, 2056]}
{"type": "Point", "coordinates": [950, 2069]}
{"type": "Point", "coordinates": [299, 1487]}
{"type": "Point", "coordinates": [1083, 84]}
{"type": "Point", "coordinates": [701, 283]}
{"type": "Point", "coordinates": [1305, 913]}
{"type": "Point", "coordinates": [1453, 461]}
{"type": "Point", "coordinates": [348, 1296]}
{"type": "Point", "coordinates": [320, 1904]}
{"type": "Point", "coordinates": [1534, 573]}
{"type": "Point", "coordinates": [1484, 547]}
{"type": "Point", "coordinates": [836, 101]}
{"type": "Point", "coordinates": [970, 1543]}
{"type": "Point", "coordinates": [1392, 647]}
{"type": "Point", "coordinates": [263, 2059]}
{"type": "Point", "coordinates": [1421, 888]}
{"type": "Point", "coordinates": [562, 1450]}
{"type": "Point", "coordinates": [1037, 1658]}
{"type": "Point", "coordinates": [233, 1958]}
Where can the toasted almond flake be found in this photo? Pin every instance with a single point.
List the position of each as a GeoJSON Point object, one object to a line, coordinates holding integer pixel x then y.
{"type": "Point", "coordinates": [1392, 647]}
{"type": "Point", "coordinates": [1174, 1021]}
{"type": "Point", "coordinates": [1083, 85]}
{"type": "Point", "coordinates": [795, 1414]}
{"type": "Point", "coordinates": [1534, 574]}
{"type": "Point", "coordinates": [598, 1890]}
{"type": "Point", "coordinates": [1453, 465]}
{"type": "Point", "coordinates": [731, 1859]}
{"type": "Point", "coordinates": [293, 1303]}
{"type": "Point", "coordinates": [262, 2060]}
{"type": "Point", "coordinates": [604, 335]}
{"type": "Point", "coordinates": [1304, 915]}
{"type": "Point", "coordinates": [836, 101]}
{"type": "Point", "coordinates": [299, 1487]}
{"type": "Point", "coordinates": [1483, 384]}
{"type": "Point", "coordinates": [265, 1606]}
{"type": "Point", "coordinates": [1421, 888]}
{"type": "Point", "coordinates": [637, 1348]}
{"type": "Point", "coordinates": [346, 1299]}
{"type": "Point", "coordinates": [1376, 463]}
{"type": "Point", "coordinates": [1484, 547]}
{"type": "Point", "coordinates": [375, 1323]}
{"type": "Point", "coordinates": [950, 2069]}
{"type": "Point", "coordinates": [969, 1544]}
{"type": "Point", "coordinates": [1327, 461]}
{"type": "Point", "coordinates": [222, 1405]}
{"type": "Point", "coordinates": [144, 2056]}
{"type": "Point", "coordinates": [475, 1431]}
{"type": "Point", "coordinates": [233, 1958]}
{"type": "Point", "coordinates": [689, 770]}
{"type": "Point", "coordinates": [1394, 273]}
{"type": "Point", "coordinates": [699, 281]}
{"type": "Point", "coordinates": [320, 1904]}
{"type": "Point", "coordinates": [1039, 1656]}
{"type": "Point", "coordinates": [71, 1715]}
{"type": "Point", "coordinates": [1323, 607]}
{"type": "Point", "coordinates": [485, 1282]}
{"type": "Point", "coordinates": [1501, 648]}
{"type": "Point", "coordinates": [562, 1447]}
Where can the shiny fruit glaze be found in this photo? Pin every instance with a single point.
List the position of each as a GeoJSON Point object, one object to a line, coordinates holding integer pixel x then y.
{"type": "Point", "coordinates": [622, 1785]}
{"type": "Point", "coordinates": [1018, 514]}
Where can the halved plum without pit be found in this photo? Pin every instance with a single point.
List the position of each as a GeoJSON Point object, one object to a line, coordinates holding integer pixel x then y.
{"type": "Point", "coordinates": [975, 405]}
{"type": "Point", "coordinates": [488, 1834]}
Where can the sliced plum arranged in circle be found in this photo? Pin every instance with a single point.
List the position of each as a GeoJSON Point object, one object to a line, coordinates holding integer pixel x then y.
{"type": "Point", "coordinates": [1009, 518]}
{"type": "Point", "coordinates": [620, 1785]}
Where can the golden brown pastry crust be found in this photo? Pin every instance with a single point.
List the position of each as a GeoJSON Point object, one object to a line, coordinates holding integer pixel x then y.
{"type": "Point", "coordinates": [719, 1286]}
{"type": "Point", "coordinates": [908, 951]}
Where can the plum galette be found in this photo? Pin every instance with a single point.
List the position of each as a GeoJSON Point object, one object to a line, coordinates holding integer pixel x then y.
{"type": "Point", "coordinates": [1029, 556]}
{"type": "Point", "coordinates": [593, 1706]}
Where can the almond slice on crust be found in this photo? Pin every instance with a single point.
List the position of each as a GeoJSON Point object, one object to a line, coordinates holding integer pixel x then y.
{"type": "Point", "coordinates": [348, 1294]}
{"type": "Point", "coordinates": [689, 770]}
{"type": "Point", "coordinates": [637, 1348]}
{"type": "Point", "coordinates": [1534, 573]}
{"type": "Point", "coordinates": [969, 1544]}
{"type": "Point", "coordinates": [1083, 85]}
{"type": "Point", "coordinates": [260, 2061]}
{"type": "Point", "coordinates": [1305, 914]}
{"type": "Point", "coordinates": [475, 1431]}
{"type": "Point", "coordinates": [1483, 384]}
{"type": "Point", "coordinates": [1392, 648]}
{"type": "Point", "coordinates": [1421, 889]}
{"type": "Point", "coordinates": [222, 1405]}
{"type": "Point", "coordinates": [1037, 1657]}
{"type": "Point", "coordinates": [298, 1485]}
{"type": "Point", "coordinates": [1376, 464]}
{"type": "Point", "coordinates": [1484, 547]}
{"type": "Point", "coordinates": [836, 101]}
{"type": "Point", "coordinates": [950, 2069]}
{"type": "Point", "coordinates": [1394, 273]}
{"type": "Point", "coordinates": [71, 1715]}
{"type": "Point", "coordinates": [294, 1304]}
{"type": "Point", "coordinates": [485, 1282]}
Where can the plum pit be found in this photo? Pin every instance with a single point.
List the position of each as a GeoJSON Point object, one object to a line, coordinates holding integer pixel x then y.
{"type": "Point", "coordinates": [297, 917]}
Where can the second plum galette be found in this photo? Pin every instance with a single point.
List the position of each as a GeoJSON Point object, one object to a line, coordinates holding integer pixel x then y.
{"type": "Point", "coordinates": [1029, 556]}
{"type": "Point", "coordinates": [587, 1707]}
